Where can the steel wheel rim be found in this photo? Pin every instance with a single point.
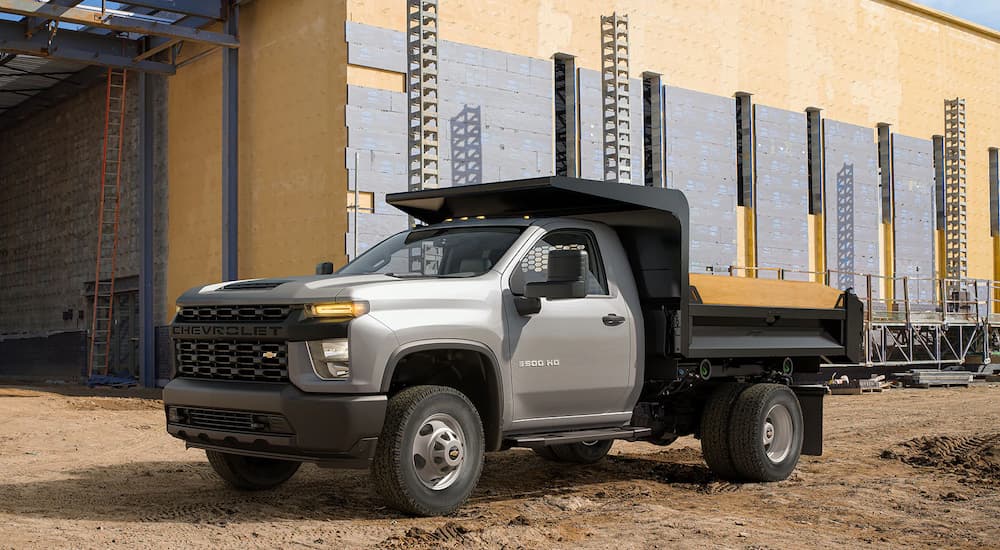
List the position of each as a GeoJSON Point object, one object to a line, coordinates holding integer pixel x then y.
{"type": "Point", "coordinates": [777, 433]}
{"type": "Point", "coordinates": [439, 451]}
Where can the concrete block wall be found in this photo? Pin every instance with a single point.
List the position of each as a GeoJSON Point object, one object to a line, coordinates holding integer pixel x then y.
{"type": "Point", "coordinates": [782, 201]}
{"type": "Point", "coordinates": [592, 125]}
{"type": "Point", "coordinates": [701, 161]}
{"type": "Point", "coordinates": [49, 193]}
{"type": "Point", "coordinates": [914, 211]}
{"type": "Point", "coordinates": [852, 204]}
{"type": "Point", "coordinates": [496, 123]}
{"type": "Point", "coordinates": [495, 116]}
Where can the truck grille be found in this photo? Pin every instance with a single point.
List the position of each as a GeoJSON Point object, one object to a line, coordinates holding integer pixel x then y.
{"type": "Point", "coordinates": [232, 360]}
{"type": "Point", "coordinates": [227, 314]}
{"type": "Point", "coordinates": [239, 421]}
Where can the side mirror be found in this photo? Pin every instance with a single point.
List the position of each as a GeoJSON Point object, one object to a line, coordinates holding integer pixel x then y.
{"type": "Point", "coordinates": [566, 277]}
{"type": "Point", "coordinates": [324, 268]}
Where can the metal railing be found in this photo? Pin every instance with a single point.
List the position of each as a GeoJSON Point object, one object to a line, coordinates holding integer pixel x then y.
{"type": "Point", "coordinates": [912, 299]}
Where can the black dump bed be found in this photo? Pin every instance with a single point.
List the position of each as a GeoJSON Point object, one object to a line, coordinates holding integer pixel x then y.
{"type": "Point", "coordinates": [653, 224]}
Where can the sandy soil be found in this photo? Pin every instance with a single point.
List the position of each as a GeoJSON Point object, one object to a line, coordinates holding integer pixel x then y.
{"type": "Point", "coordinates": [906, 468]}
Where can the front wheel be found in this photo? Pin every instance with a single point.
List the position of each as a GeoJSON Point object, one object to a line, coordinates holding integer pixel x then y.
{"type": "Point", "coordinates": [766, 430]}
{"type": "Point", "coordinates": [430, 454]}
{"type": "Point", "coordinates": [250, 473]}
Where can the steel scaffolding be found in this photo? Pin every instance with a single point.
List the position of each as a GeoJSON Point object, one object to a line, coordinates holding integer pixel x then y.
{"type": "Point", "coordinates": [956, 220]}
{"type": "Point", "coordinates": [933, 322]}
{"type": "Point", "coordinates": [615, 92]}
{"type": "Point", "coordinates": [422, 93]}
{"type": "Point", "coordinates": [422, 99]}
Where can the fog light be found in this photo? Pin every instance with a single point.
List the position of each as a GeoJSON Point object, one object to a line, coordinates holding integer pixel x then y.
{"type": "Point", "coordinates": [331, 359]}
{"type": "Point", "coordinates": [175, 415]}
{"type": "Point", "coordinates": [339, 370]}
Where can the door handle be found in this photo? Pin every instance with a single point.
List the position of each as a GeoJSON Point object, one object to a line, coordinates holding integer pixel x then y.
{"type": "Point", "coordinates": [613, 320]}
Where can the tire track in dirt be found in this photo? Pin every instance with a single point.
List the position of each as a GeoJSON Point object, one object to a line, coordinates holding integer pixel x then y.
{"type": "Point", "coordinates": [976, 456]}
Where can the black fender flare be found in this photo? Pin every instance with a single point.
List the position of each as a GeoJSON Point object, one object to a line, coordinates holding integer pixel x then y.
{"type": "Point", "coordinates": [495, 389]}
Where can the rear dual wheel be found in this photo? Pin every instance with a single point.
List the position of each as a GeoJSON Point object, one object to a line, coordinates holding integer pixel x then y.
{"type": "Point", "coordinates": [752, 433]}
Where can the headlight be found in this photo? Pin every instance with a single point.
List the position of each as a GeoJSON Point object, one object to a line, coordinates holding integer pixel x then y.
{"type": "Point", "coordinates": [331, 359]}
{"type": "Point", "coordinates": [343, 311]}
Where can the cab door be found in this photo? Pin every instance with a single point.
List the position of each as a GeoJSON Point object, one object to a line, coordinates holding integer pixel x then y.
{"type": "Point", "coordinates": [570, 362]}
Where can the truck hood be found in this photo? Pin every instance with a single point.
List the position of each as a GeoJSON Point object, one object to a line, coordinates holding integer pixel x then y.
{"type": "Point", "coordinates": [299, 290]}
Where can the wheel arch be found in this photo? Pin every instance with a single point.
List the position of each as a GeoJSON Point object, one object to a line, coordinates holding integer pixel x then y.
{"type": "Point", "coordinates": [490, 404]}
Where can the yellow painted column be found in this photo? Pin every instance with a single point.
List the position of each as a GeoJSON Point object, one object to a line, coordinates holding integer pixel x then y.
{"type": "Point", "coordinates": [888, 267]}
{"type": "Point", "coordinates": [996, 273]}
{"type": "Point", "coordinates": [817, 248]}
{"type": "Point", "coordinates": [746, 242]}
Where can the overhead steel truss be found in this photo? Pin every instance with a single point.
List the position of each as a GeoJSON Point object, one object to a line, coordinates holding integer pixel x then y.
{"type": "Point", "coordinates": [141, 36]}
{"type": "Point", "coordinates": [121, 38]}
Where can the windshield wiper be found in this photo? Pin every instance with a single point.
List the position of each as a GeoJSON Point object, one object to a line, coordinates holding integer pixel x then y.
{"type": "Point", "coordinates": [407, 275]}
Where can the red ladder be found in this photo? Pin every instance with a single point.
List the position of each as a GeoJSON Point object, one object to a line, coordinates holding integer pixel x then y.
{"type": "Point", "coordinates": [107, 223]}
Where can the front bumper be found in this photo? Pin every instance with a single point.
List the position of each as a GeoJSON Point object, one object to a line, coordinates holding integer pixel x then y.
{"type": "Point", "coordinates": [329, 429]}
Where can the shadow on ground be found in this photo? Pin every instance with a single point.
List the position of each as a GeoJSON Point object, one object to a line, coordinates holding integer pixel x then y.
{"type": "Point", "coordinates": [76, 390]}
{"type": "Point", "coordinates": [190, 492]}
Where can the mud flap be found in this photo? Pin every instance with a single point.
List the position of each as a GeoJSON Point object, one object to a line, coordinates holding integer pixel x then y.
{"type": "Point", "coordinates": [811, 401]}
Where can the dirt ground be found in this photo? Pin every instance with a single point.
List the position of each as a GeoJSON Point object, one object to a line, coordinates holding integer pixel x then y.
{"type": "Point", "coordinates": [905, 468]}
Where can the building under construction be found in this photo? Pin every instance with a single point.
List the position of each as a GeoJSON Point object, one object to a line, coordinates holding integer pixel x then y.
{"type": "Point", "coordinates": [150, 146]}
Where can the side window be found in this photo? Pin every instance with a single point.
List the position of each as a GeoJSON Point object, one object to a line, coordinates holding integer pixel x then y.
{"type": "Point", "coordinates": [534, 266]}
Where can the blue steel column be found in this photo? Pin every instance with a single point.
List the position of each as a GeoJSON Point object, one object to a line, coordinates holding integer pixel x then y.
{"type": "Point", "coordinates": [230, 152]}
{"type": "Point", "coordinates": [147, 334]}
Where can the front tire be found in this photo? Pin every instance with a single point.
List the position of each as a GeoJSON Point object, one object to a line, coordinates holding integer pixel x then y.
{"type": "Point", "coordinates": [766, 432]}
{"type": "Point", "coordinates": [430, 454]}
{"type": "Point", "coordinates": [250, 473]}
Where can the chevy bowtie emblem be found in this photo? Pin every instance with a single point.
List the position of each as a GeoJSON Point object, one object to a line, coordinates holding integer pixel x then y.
{"type": "Point", "coordinates": [270, 354]}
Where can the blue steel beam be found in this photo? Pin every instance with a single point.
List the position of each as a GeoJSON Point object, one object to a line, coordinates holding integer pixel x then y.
{"type": "Point", "coordinates": [116, 21]}
{"type": "Point", "coordinates": [32, 24]}
{"type": "Point", "coordinates": [230, 153]}
{"type": "Point", "coordinates": [210, 9]}
{"type": "Point", "coordinates": [147, 333]}
{"type": "Point", "coordinates": [82, 47]}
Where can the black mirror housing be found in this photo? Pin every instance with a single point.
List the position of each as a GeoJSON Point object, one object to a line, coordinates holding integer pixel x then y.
{"type": "Point", "coordinates": [324, 268]}
{"type": "Point", "coordinates": [556, 290]}
{"type": "Point", "coordinates": [566, 277]}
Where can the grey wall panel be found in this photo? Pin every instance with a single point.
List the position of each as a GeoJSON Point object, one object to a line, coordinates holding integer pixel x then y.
{"type": "Point", "coordinates": [591, 138]}
{"type": "Point", "coordinates": [782, 190]}
{"type": "Point", "coordinates": [495, 116]}
{"type": "Point", "coordinates": [375, 47]}
{"type": "Point", "coordinates": [592, 123]}
{"type": "Point", "coordinates": [913, 190]}
{"type": "Point", "coordinates": [851, 204]}
{"type": "Point", "coordinates": [701, 161]}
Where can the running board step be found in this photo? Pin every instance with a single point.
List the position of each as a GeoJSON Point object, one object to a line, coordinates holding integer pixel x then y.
{"type": "Point", "coordinates": [630, 433]}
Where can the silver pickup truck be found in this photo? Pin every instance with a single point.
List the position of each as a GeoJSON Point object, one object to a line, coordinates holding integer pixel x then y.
{"type": "Point", "coordinates": [556, 314]}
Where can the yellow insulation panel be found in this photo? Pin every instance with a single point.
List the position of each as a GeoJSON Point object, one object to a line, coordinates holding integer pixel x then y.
{"type": "Point", "coordinates": [744, 291]}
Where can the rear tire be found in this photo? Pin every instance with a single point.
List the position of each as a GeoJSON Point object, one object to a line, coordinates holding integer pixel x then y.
{"type": "Point", "coordinates": [547, 453]}
{"type": "Point", "coordinates": [430, 454]}
{"type": "Point", "coordinates": [767, 431]}
{"type": "Point", "coordinates": [586, 452]}
{"type": "Point", "coordinates": [715, 423]}
{"type": "Point", "coordinates": [250, 473]}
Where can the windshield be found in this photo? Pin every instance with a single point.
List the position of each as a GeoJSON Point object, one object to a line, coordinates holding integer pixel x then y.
{"type": "Point", "coordinates": [438, 252]}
